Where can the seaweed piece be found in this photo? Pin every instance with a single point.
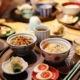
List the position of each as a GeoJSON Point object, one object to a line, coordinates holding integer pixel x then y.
{"type": "Point", "coordinates": [16, 68]}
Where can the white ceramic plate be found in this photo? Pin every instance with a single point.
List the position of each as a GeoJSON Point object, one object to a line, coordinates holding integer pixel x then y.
{"type": "Point", "coordinates": [74, 20]}
{"type": "Point", "coordinates": [6, 64]}
{"type": "Point", "coordinates": [60, 35]}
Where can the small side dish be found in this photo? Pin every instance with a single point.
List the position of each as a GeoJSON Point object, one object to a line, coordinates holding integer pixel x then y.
{"type": "Point", "coordinates": [15, 65]}
{"type": "Point", "coordinates": [68, 19]}
{"type": "Point", "coordinates": [58, 29]}
{"type": "Point", "coordinates": [44, 72]}
{"type": "Point", "coordinates": [5, 31]}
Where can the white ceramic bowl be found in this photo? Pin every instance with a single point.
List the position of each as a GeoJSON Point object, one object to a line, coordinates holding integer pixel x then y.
{"type": "Point", "coordinates": [22, 50]}
{"type": "Point", "coordinates": [7, 63]}
{"type": "Point", "coordinates": [55, 57]}
{"type": "Point", "coordinates": [70, 8]}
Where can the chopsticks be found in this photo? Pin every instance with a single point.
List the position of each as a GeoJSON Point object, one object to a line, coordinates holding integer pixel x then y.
{"type": "Point", "coordinates": [72, 72]}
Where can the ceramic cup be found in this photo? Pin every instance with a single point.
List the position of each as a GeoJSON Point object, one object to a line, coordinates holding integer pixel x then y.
{"type": "Point", "coordinates": [45, 10]}
{"type": "Point", "coordinates": [42, 32]}
{"type": "Point", "coordinates": [34, 21]}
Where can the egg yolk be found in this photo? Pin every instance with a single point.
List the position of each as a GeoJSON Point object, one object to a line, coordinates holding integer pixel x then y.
{"type": "Point", "coordinates": [45, 74]}
{"type": "Point", "coordinates": [42, 67]}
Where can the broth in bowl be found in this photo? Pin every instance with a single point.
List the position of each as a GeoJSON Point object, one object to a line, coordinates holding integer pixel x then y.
{"type": "Point", "coordinates": [55, 47]}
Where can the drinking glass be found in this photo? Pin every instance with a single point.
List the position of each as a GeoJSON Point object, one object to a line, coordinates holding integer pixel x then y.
{"type": "Point", "coordinates": [76, 44]}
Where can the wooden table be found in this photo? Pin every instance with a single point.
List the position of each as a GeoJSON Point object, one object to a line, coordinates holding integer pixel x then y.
{"type": "Point", "coordinates": [23, 27]}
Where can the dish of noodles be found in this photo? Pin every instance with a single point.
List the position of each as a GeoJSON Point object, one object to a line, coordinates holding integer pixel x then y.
{"type": "Point", "coordinates": [55, 47]}
{"type": "Point", "coordinates": [21, 40]}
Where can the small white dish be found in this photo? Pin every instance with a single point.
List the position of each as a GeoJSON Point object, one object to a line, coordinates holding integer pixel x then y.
{"type": "Point", "coordinates": [61, 34]}
{"type": "Point", "coordinates": [67, 19]}
{"type": "Point", "coordinates": [6, 65]}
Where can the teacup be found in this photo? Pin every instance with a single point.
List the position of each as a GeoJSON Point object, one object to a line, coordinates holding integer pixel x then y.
{"type": "Point", "coordinates": [42, 32]}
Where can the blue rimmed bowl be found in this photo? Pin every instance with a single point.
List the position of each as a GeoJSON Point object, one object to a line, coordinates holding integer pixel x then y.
{"type": "Point", "coordinates": [22, 50]}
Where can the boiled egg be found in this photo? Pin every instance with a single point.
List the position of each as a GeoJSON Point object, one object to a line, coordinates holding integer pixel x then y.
{"type": "Point", "coordinates": [68, 19]}
{"type": "Point", "coordinates": [44, 75]}
{"type": "Point", "coordinates": [5, 29]}
{"type": "Point", "coordinates": [3, 32]}
{"type": "Point", "coordinates": [41, 67]}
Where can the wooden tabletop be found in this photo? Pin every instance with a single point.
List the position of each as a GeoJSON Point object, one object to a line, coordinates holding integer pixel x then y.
{"type": "Point", "coordinates": [23, 27]}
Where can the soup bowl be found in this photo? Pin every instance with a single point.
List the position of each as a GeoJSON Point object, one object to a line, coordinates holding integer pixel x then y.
{"type": "Point", "coordinates": [52, 53]}
{"type": "Point", "coordinates": [70, 8]}
{"type": "Point", "coordinates": [16, 43]}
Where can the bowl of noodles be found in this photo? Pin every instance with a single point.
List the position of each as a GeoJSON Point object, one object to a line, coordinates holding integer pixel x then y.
{"type": "Point", "coordinates": [21, 43]}
{"type": "Point", "coordinates": [55, 50]}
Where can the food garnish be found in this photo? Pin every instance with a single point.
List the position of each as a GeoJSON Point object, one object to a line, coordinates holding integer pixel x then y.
{"type": "Point", "coordinates": [21, 40]}
{"type": "Point", "coordinates": [16, 68]}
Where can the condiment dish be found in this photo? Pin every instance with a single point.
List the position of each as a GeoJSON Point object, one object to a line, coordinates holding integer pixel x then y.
{"type": "Point", "coordinates": [7, 68]}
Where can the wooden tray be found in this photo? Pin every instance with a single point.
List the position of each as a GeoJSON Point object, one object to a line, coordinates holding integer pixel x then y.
{"type": "Point", "coordinates": [74, 74]}
{"type": "Point", "coordinates": [33, 58]}
{"type": "Point", "coordinates": [73, 26]}
{"type": "Point", "coordinates": [18, 17]}
{"type": "Point", "coordinates": [3, 46]}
